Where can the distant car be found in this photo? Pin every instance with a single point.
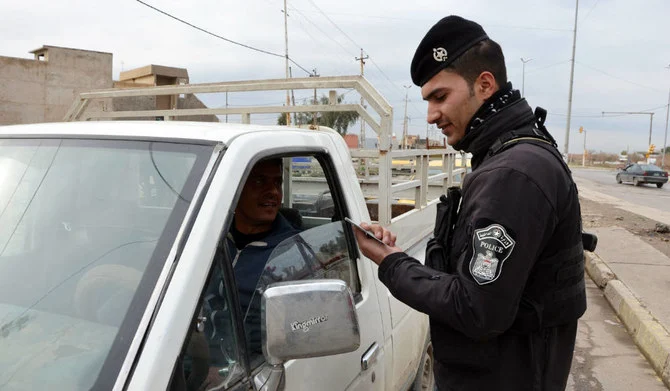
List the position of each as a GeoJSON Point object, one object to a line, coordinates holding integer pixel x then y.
{"type": "Point", "coordinates": [642, 173]}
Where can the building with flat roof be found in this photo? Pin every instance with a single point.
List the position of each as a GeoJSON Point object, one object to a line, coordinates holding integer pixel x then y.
{"type": "Point", "coordinates": [158, 75]}
{"type": "Point", "coordinates": [42, 89]}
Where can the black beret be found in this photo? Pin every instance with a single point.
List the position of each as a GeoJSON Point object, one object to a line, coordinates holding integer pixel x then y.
{"type": "Point", "coordinates": [443, 43]}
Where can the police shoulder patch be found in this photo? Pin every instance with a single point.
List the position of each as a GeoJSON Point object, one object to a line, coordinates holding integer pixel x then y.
{"type": "Point", "coordinates": [491, 246]}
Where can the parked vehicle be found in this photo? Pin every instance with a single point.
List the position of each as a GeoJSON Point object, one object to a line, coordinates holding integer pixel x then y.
{"type": "Point", "coordinates": [643, 173]}
{"type": "Point", "coordinates": [108, 240]}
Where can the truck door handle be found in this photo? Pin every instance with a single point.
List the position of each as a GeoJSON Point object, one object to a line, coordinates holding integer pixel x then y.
{"type": "Point", "coordinates": [369, 356]}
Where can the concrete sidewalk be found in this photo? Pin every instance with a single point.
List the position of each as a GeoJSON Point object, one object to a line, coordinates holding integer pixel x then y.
{"type": "Point", "coordinates": [636, 280]}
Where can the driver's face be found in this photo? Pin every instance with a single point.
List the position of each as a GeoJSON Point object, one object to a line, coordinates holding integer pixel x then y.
{"type": "Point", "coordinates": [260, 199]}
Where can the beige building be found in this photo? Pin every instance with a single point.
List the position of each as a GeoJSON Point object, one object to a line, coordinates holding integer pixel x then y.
{"type": "Point", "coordinates": [43, 88]}
{"type": "Point", "coordinates": [158, 75]}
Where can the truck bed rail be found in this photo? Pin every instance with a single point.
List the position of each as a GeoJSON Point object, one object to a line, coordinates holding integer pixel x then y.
{"type": "Point", "coordinates": [380, 120]}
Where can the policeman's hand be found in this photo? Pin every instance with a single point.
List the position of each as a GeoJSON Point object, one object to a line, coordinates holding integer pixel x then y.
{"type": "Point", "coordinates": [373, 249]}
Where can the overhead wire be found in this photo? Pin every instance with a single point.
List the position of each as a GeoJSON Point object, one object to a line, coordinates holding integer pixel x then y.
{"type": "Point", "coordinates": [329, 36]}
{"type": "Point", "coordinates": [576, 116]}
{"type": "Point", "coordinates": [432, 19]}
{"type": "Point", "coordinates": [533, 70]}
{"type": "Point", "coordinates": [644, 111]}
{"type": "Point", "coordinates": [223, 38]}
{"type": "Point", "coordinates": [618, 78]}
{"type": "Point", "coordinates": [601, 115]}
{"type": "Point", "coordinates": [357, 45]}
{"type": "Point", "coordinates": [589, 13]}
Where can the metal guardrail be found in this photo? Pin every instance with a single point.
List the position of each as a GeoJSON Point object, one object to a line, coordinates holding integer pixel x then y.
{"type": "Point", "coordinates": [381, 124]}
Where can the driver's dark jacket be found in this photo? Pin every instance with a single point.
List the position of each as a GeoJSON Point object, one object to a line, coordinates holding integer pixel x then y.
{"type": "Point", "coordinates": [248, 265]}
{"type": "Point", "coordinates": [518, 331]}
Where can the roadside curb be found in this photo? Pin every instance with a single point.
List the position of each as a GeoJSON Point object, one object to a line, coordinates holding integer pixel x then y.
{"type": "Point", "coordinates": [600, 273]}
{"type": "Point", "coordinates": [648, 333]}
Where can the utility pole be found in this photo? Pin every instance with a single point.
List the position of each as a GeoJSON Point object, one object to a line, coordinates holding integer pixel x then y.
{"type": "Point", "coordinates": [361, 141]}
{"type": "Point", "coordinates": [572, 74]}
{"type": "Point", "coordinates": [295, 115]}
{"type": "Point", "coordinates": [404, 125]}
{"type": "Point", "coordinates": [665, 139]}
{"type": "Point", "coordinates": [651, 118]}
{"type": "Point", "coordinates": [523, 76]}
{"type": "Point", "coordinates": [288, 98]}
{"type": "Point", "coordinates": [226, 106]}
{"type": "Point", "coordinates": [315, 103]}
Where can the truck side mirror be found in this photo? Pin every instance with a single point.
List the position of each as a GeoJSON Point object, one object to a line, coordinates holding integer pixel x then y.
{"type": "Point", "coordinates": [300, 319]}
{"type": "Point", "coordinates": [311, 318]}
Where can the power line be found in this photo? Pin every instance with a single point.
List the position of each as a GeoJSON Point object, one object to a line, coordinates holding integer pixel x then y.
{"type": "Point", "coordinates": [322, 32]}
{"type": "Point", "coordinates": [548, 66]}
{"type": "Point", "coordinates": [645, 111]}
{"type": "Point", "coordinates": [528, 28]}
{"type": "Point", "coordinates": [311, 35]}
{"type": "Point", "coordinates": [608, 116]}
{"type": "Point", "coordinates": [433, 20]}
{"type": "Point", "coordinates": [656, 108]}
{"type": "Point", "coordinates": [222, 38]}
{"type": "Point", "coordinates": [299, 66]}
{"type": "Point", "coordinates": [589, 13]}
{"type": "Point", "coordinates": [333, 23]}
{"type": "Point", "coordinates": [320, 43]}
{"type": "Point", "coordinates": [618, 78]}
{"type": "Point", "coordinates": [209, 32]}
{"type": "Point", "coordinates": [357, 45]}
{"type": "Point", "coordinates": [577, 116]}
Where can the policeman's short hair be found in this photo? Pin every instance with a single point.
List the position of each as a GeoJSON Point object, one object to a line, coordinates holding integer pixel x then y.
{"type": "Point", "coordinates": [484, 56]}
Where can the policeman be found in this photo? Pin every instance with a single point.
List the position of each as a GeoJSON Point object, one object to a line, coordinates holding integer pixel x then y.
{"type": "Point", "coordinates": [505, 285]}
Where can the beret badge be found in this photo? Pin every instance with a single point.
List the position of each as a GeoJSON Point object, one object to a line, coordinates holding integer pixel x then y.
{"type": "Point", "coordinates": [440, 54]}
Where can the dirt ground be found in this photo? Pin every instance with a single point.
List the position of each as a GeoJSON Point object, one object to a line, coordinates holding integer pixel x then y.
{"type": "Point", "coordinates": [598, 215]}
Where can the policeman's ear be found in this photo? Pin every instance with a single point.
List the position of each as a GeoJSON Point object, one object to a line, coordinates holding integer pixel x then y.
{"type": "Point", "coordinates": [485, 85]}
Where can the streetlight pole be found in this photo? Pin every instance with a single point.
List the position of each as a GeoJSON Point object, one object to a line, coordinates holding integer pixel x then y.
{"type": "Point", "coordinates": [404, 124]}
{"type": "Point", "coordinates": [651, 118]}
{"type": "Point", "coordinates": [288, 97]}
{"type": "Point", "coordinates": [572, 74]}
{"type": "Point", "coordinates": [665, 139]}
{"type": "Point", "coordinates": [523, 75]}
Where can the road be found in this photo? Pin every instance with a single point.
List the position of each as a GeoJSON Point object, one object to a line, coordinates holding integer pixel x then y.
{"type": "Point", "coordinates": [606, 358]}
{"type": "Point", "coordinates": [603, 181]}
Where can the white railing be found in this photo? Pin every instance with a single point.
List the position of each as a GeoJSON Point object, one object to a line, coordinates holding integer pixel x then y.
{"type": "Point", "coordinates": [380, 120]}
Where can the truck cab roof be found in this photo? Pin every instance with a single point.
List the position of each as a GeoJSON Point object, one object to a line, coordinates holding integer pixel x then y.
{"type": "Point", "coordinates": [175, 130]}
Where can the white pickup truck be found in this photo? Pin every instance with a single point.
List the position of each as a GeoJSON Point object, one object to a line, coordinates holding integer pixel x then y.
{"type": "Point", "coordinates": [108, 244]}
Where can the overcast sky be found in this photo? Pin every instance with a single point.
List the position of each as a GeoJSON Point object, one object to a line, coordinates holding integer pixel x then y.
{"type": "Point", "coordinates": [623, 49]}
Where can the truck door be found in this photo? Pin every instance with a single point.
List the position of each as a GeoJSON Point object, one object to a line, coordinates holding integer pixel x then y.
{"type": "Point", "coordinates": [318, 196]}
{"type": "Point", "coordinates": [224, 351]}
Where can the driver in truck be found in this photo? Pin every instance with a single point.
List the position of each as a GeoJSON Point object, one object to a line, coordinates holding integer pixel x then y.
{"type": "Point", "coordinates": [257, 229]}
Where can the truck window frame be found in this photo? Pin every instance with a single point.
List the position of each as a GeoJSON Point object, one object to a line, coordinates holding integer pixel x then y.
{"type": "Point", "coordinates": [341, 210]}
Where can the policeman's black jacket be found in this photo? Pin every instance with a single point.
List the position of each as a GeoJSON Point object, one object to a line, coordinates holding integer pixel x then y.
{"type": "Point", "coordinates": [504, 314]}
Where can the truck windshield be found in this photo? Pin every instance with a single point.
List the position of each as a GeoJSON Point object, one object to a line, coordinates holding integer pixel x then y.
{"type": "Point", "coordinates": [85, 229]}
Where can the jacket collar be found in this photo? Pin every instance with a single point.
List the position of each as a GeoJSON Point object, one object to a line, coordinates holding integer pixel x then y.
{"type": "Point", "coordinates": [501, 113]}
